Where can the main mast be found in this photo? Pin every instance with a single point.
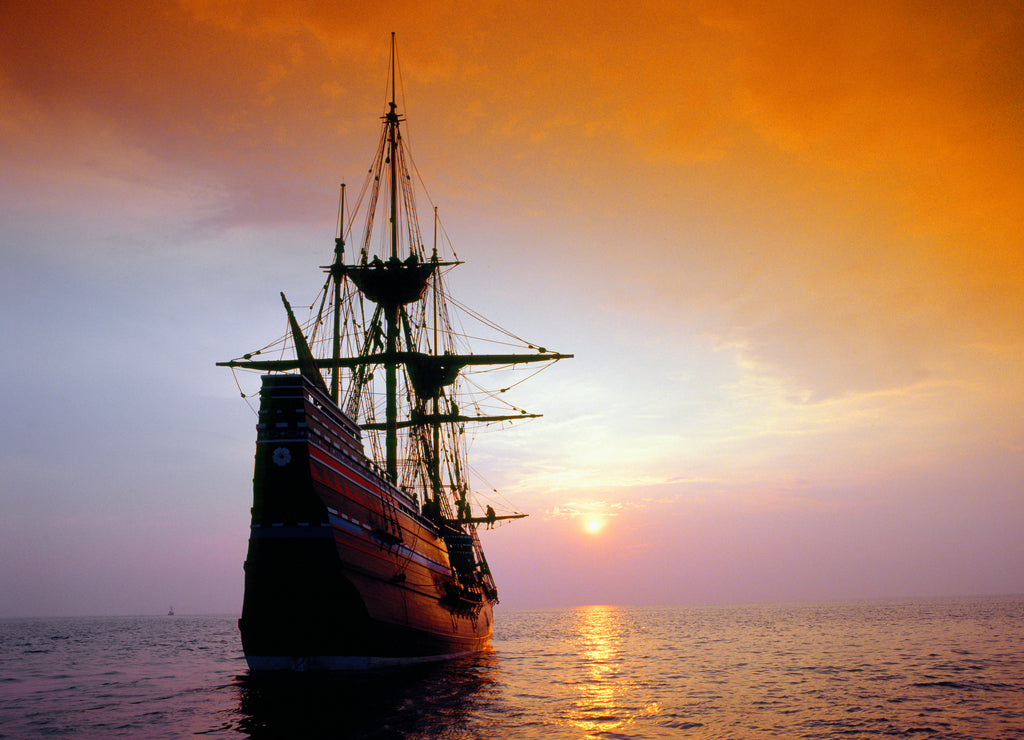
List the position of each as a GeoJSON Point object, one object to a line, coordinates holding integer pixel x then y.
{"type": "Point", "coordinates": [391, 316]}
{"type": "Point", "coordinates": [393, 280]}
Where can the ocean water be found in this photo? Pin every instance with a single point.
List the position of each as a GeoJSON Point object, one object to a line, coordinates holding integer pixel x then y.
{"type": "Point", "coordinates": [941, 668]}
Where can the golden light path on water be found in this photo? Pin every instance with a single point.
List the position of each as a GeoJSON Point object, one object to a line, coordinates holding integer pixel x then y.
{"type": "Point", "coordinates": [604, 695]}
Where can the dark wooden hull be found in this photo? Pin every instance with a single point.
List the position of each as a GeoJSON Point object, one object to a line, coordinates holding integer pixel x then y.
{"type": "Point", "coordinates": [343, 570]}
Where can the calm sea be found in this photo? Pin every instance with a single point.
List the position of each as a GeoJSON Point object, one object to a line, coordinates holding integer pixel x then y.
{"type": "Point", "coordinates": [943, 668]}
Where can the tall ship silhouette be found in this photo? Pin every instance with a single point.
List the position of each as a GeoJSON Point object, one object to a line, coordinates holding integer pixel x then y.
{"type": "Point", "coordinates": [364, 548]}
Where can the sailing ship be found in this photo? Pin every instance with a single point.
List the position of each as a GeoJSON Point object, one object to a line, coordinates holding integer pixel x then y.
{"type": "Point", "coordinates": [364, 548]}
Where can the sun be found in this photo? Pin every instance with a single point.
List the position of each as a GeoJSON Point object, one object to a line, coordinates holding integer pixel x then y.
{"type": "Point", "coordinates": [593, 526]}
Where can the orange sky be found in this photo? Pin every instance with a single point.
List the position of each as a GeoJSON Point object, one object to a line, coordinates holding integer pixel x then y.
{"type": "Point", "coordinates": [784, 243]}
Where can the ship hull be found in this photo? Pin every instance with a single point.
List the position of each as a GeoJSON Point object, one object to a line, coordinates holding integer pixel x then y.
{"type": "Point", "coordinates": [343, 570]}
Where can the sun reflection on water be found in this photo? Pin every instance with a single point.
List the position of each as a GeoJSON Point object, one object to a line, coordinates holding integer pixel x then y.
{"type": "Point", "coordinates": [604, 697]}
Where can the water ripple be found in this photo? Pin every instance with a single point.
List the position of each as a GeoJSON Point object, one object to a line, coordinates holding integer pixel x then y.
{"type": "Point", "coordinates": [905, 669]}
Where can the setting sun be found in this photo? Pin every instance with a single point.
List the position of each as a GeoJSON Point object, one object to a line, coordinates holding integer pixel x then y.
{"type": "Point", "coordinates": [594, 526]}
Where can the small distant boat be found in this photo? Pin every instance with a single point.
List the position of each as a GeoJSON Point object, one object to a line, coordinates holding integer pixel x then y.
{"type": "Point", "coordinates": [170, 611]}
{"type": "Point", "coordinates": [367, 557]}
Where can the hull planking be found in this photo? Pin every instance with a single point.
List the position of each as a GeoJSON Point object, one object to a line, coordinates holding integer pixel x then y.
{"type": "Point", "coordinates": [344, 570]}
